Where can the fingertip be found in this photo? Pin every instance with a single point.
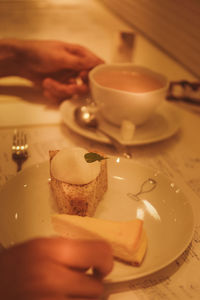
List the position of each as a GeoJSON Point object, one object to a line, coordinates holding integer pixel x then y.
{"type": "Point", "coordinates": [84, 75]}
{"type": "Point", "coordinates": [47, 82]}
{"type": "Point", "coordinates": [106, 264]}
{"type": "Point", "coordinates": [54, 90]}
{"type": "Point", "coordinates": [82, 89]}
{"type": "Point", "coordinates": [57, 91]}
{"type": "Point", "coordinates": [109, 260]}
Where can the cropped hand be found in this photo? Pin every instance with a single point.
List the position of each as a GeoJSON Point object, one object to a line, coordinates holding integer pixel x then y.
{"type": "Point", "coordinates": [60, 68]}
{"type": "Point", "coordinates": [54, 269]}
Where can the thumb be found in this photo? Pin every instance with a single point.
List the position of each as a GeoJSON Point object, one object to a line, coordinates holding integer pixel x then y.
{"type": "Point", "coordinates": [57, 91]}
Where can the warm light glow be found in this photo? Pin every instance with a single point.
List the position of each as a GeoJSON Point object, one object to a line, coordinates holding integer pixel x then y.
{"type": "Point", "coordinates": [118, 177]}
{"type": "Point", "coordinates": [156, 173]}
{"type": "Point", "coordinates": [118, 160]}
{"type": "Point", "coordinates": [172, 184]}
{"type": "Point", "coordinates": [151, 210]}
{"type": "Point", "coordinates": [140, 214]}
{"type": "Point", "coordinates": [86, 115]}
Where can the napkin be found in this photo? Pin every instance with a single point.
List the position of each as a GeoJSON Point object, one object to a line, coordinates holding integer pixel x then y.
{"type": "Point", "coordinates": [22, 105]}
{"type": "Point", "coordinates": [24, 114]}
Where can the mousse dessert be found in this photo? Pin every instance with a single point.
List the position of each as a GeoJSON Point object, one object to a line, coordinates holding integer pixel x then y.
{"type": "Point", "coordinates": [77, 185]}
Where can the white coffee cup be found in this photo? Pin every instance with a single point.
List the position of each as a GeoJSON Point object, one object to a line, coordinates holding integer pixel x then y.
{"type": "Point", "coordinates": [116, 104]}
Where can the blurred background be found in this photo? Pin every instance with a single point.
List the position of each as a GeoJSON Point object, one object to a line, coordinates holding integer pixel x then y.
{"type": "Point", "coordinates": [128, 30]}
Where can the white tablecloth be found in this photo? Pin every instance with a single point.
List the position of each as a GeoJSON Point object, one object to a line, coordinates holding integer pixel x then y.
{"type": "Point", "coordinates": [89, 23]}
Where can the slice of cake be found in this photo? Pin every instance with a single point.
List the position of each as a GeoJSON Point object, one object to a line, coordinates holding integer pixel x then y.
{"type": "Point", "coordinates": [77, 185]}
{"type": "Point", "coordinates": [127, 239]}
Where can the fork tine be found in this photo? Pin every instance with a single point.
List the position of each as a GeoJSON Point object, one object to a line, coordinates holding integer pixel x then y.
{"type": "Point", "coordinates": [19, 140]}
{"type": "Point", "coordinates": [19, 148]}
{"type": "Point", "coordinates": [25, 139]}
{"type": "Point", "coordinates": [15, 138]}
{"type": "Point", "coordinates": [16, 141]}
{"type": "Point", "coordinates": [24, 145]}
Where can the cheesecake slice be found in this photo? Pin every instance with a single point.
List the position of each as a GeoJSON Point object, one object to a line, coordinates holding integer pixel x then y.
{"type": "Point", "coordinates": [127, 238]}
{"type": "Point", "coordinates": [77, 186]}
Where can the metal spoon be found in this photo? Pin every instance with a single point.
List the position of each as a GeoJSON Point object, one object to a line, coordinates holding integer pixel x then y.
{"type": "Point", "coordinates": [85, 117]}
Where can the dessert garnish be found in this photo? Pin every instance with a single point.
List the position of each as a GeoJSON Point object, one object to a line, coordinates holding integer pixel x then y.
{"type": "Point", "coordinates": [92, 156]}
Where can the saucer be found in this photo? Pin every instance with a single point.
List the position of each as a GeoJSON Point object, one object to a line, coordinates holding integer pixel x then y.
{"type": "Point", "coordinates": [163, 124]}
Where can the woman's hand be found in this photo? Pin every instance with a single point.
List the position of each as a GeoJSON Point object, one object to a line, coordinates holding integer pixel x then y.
{"type": "Point", "coordinates": [60, 68]}
{"type": "Point", "coordinates": [54, 269]}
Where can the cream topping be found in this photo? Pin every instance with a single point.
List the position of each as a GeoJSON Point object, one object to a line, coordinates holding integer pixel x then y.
{"type": "Point", "coordinates": [69, 165]}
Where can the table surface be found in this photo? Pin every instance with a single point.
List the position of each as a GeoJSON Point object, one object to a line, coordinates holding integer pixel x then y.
{"type": "Point", "coordinates": [178, 157]}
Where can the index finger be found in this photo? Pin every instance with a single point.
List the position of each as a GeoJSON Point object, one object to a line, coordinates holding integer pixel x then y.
{"type": "Point", "coordinates": [57, 91]}
{"type": "Point", "coordinates": [80, 254]}
{"type": "Point", "coordinates": [81, 58]}
{"type": "Point", "coordinates": [89, 254]}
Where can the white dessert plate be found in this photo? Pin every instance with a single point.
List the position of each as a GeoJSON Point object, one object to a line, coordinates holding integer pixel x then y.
{"type": "Point", "coordinates": [162, 125]}
{"type": "Point", "coordinates": [26, 205]}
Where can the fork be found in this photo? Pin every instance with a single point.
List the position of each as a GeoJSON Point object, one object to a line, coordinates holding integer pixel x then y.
{"type": "Point", "coordinates": [19, 148]}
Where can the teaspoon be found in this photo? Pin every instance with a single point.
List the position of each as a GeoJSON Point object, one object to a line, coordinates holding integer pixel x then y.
{"type": "Point", "coordinates": [87, 118]}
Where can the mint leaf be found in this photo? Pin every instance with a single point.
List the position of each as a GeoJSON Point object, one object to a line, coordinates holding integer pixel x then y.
{"type": "Point", "coordinates": [92, 156]}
